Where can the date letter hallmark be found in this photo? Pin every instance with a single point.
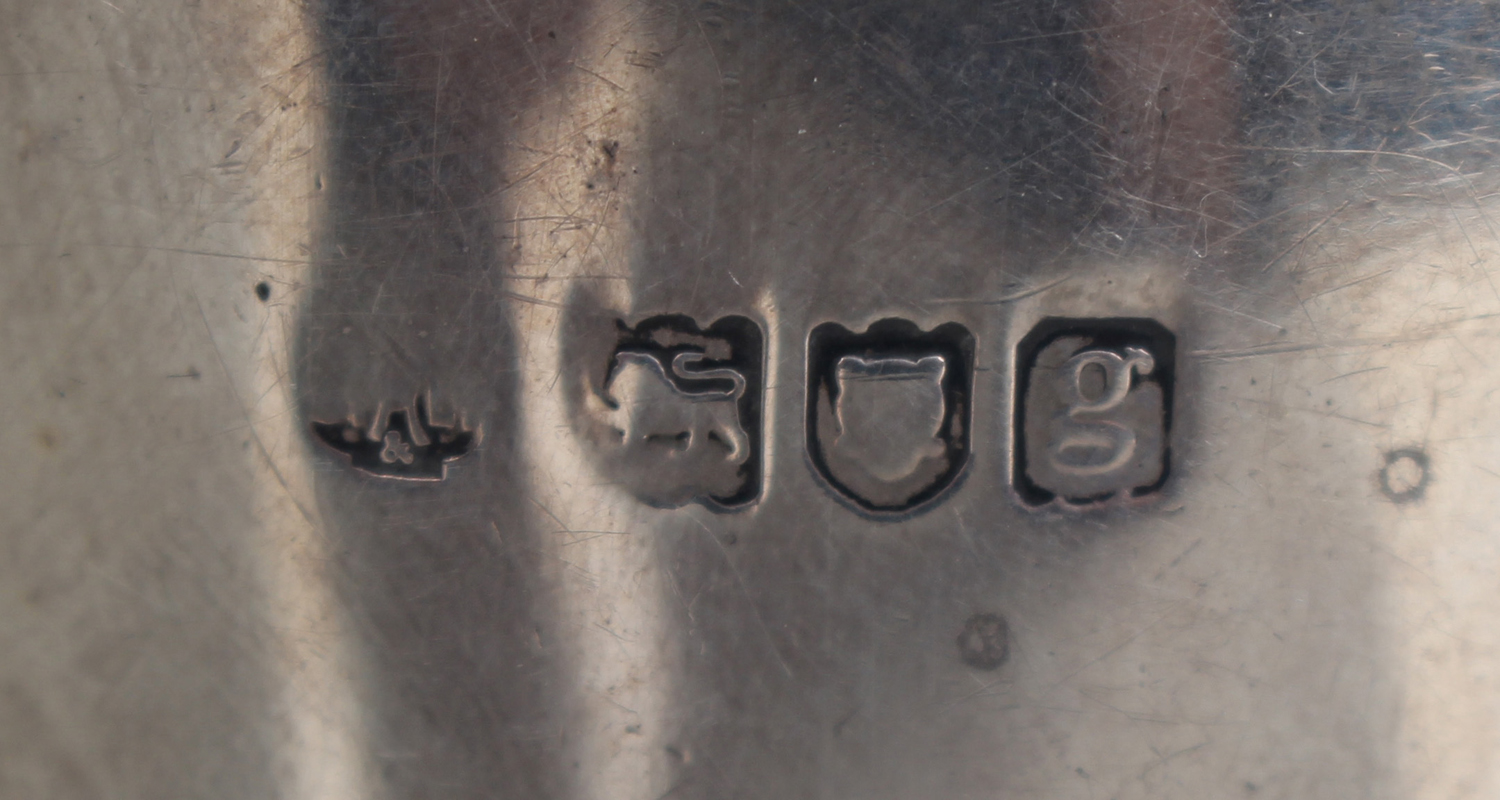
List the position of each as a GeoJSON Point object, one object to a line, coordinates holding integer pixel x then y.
{"type": "Point", "coordinates": [404, 445]}
{"type": "Point", "coordinates": [1093, 411]}
{"type": "Point", "coordinates": [678, 417]}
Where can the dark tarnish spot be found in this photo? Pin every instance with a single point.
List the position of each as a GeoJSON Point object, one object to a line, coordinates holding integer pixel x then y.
{"type": "Point", "coordinates": [263, 291]}
{"type": "Point", "coordinates": [985, 641]}
{"type": "Point", "coordinates": [1405, 476]}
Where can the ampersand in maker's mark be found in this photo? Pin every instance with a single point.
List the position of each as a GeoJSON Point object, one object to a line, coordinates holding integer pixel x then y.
{"type": "Point", "coordinates": [396, 449]}
{"type": "Point", "coordinates": [405, 445]}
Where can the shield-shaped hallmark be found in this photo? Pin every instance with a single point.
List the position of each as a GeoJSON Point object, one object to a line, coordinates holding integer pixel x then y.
{"type": "Point", "coordinates": [888, 411]}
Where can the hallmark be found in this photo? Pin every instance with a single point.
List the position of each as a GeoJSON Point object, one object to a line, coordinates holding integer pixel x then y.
{"type": "Point", "coordinates": [1093, 411]}
{"type": "Point", "coordinates": [680, 411]}
{"type": "Point", "coordinates": [888, 411]}
{"type": "Point", "coordinates": [404, 444]}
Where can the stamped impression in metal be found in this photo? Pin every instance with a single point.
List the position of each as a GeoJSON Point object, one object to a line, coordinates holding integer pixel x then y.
{"type": "Point", "coordinates": [682, 409]}
{"type": "Point", "coordinates": [888, 411]}
{"type": "Point", "coordinates": [1093, 411]}
{"type": "Point", "coordinates": [405, 445]}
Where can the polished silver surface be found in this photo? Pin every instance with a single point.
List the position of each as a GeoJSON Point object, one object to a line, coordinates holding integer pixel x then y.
{"type": "Point", "coordinates": [643, 400]}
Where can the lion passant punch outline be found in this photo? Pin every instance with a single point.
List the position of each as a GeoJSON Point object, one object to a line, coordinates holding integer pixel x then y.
{"type": "Point", "coordinates": [647, 405]}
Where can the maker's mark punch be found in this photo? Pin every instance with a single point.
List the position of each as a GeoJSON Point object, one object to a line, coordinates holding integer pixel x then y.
{"type": "Point", "coordinates": [405, 445]}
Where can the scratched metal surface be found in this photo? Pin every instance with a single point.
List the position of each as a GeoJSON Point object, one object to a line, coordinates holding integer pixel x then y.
{"type": "Point", "coordinates": [775, 549]}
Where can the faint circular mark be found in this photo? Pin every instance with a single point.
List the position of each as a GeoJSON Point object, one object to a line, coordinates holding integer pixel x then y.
{"type": "Point", "coordinates": [263, 291]}
{"type": "Point", "coordinates": [985, 641]}
{"type": "Point", "coordinates": [1405, 476]}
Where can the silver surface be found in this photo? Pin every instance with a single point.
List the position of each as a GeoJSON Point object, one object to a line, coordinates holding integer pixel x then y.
{"type": "Point", "coordinates": [223, 222]}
